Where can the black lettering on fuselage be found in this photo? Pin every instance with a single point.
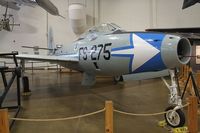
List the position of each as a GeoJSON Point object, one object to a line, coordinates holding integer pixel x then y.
{"type": "Point", "coordinates": [96, 52]}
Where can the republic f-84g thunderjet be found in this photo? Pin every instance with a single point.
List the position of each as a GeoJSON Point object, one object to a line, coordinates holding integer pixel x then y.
{"type": "Point", "coordinates": [108, 50]}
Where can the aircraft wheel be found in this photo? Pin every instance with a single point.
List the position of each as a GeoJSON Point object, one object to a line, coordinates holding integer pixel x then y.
{"type": "Point", "coordinates": [174, 118]}
{"type": "Point", "coordinates": [118, 79]}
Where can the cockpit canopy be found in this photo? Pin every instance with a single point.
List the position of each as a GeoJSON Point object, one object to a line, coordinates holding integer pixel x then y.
{"type": "Point", "coordinates": [102, 29]}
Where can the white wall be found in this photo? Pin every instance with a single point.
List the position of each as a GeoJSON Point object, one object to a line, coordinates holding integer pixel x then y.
{"type": "Point", "coordinates": [62, 32]}
{"type": "Point", "coordinates": [129, 14]}
{"type": "Point", "coordinates": [170, 14]}
{"type": "Point", "coordinates": [143, 14]}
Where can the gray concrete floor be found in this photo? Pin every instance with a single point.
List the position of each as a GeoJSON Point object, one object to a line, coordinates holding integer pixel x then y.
{"type": "Point", "coordinates": [56, 95]}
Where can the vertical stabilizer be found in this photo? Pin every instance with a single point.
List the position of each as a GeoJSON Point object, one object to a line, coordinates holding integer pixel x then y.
{"type": "Point", "coordinates": [50, 41]}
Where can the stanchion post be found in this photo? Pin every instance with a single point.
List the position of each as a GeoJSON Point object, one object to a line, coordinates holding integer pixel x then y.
{"type": "Point", "coordinates": [109, 117]}
{"type": "Point", "coordinates": [4, 124]}
{"type": "Point", "coordinates": [193, 115]}
{"type": "Point", "coordinates": [198, 79]}
{"type": "Point", "coordinates": [32, 67]}
{"type": "Point", "coordinates": [190, 83]}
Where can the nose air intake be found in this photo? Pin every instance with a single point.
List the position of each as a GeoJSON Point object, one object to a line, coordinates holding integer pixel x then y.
{"type": "Point", "coordinates": [175, 51]}
{"type": "Point", "coordinates": [184, 51]}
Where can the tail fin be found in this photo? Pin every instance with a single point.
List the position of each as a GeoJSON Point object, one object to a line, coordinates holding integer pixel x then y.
{"type": "Point", "coordinates": [51, 41]}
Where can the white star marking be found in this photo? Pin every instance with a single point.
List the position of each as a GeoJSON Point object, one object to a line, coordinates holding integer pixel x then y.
{"type": "Point", "coordinates": [142, 51]}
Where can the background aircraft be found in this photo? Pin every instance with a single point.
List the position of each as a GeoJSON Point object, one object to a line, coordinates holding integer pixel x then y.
{"type": "Point", "coordinates": [188, 3]}
{"type": "Point", "coordinates": [45, 4]}
{"type": "Point", "coordinates": [8, 23]}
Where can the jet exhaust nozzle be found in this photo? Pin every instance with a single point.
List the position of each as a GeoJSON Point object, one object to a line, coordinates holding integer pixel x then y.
{"type": "Point", "coordinates": [175, 51]}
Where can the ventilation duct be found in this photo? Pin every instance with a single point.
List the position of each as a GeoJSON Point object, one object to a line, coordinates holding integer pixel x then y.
{"type": "Point", "coordinates": [77, 17]}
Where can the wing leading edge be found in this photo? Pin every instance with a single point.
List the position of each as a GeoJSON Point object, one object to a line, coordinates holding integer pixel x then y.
{"type": "Point", "coordinates": [53, 58]}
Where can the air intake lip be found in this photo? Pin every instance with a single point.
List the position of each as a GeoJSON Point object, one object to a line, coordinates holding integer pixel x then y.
{"type": "Point", "coordinates": [175, 51]}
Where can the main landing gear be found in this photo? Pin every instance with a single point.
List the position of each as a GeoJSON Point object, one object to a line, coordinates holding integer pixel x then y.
{"type": "Point", "coordinates": [118, 79]}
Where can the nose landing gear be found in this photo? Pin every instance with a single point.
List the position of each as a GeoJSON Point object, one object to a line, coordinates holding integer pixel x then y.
{"type": "Point", "coordinates": [174, 116]}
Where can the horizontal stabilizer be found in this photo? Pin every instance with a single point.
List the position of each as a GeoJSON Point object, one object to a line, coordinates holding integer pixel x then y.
{"type": "Point", "coordinates": [36, 47]}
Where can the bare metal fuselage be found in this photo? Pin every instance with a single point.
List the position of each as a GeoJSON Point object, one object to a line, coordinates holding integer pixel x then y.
{"type": "Point", "coordinates": [127, 53]}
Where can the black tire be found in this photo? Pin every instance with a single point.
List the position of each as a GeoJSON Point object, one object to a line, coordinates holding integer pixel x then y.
{"type": "Point", "coordinates": [118, 79]}
{"type": "Point", "coordinates": [25, 82]}
{"type": "Point", "coordinates": [179, 114]}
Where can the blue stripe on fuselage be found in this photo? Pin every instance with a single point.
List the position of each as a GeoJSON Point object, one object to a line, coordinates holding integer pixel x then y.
{"type": "Point", "coordinates": [131, 56]}
{"type": "Point", "coordinates": [155, 63]}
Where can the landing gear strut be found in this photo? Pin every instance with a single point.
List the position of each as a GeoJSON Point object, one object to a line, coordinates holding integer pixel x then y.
{"type": "Point", "coordinates": [174, 116]}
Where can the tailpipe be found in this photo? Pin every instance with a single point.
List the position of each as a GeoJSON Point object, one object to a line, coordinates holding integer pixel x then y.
{"type": "Point", "coordinates": [175, 51]}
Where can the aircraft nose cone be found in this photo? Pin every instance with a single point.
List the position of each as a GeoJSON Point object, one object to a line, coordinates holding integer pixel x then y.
{"type": "Point", "coordinates": [175, 51]}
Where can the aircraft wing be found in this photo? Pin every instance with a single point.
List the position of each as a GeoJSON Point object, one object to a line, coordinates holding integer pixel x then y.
{"type": "Point", "coordinates": [12, 5]}
{"type": "Point", "coordinates": [49, 58]}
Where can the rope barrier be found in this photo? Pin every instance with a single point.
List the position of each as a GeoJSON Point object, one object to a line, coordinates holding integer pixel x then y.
{"type": "Point", "coordinates": [90, 114]}
{"type": "Point", "coordinates": [58, 119]}
{"type": "Point", "coordinates": [132, 114]}
{"type": "Point", "coordinates": [152, 114]}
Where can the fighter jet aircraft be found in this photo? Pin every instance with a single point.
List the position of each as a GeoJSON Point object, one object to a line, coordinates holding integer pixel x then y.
{"type": "Point", "coordinates": [45, 4]}
{"type": "Point", "coordinates": [188, 3]}
{"type": "Point", "coordinates": [99, 50]}
{"type": "Point", "coordinates": [108, 50]}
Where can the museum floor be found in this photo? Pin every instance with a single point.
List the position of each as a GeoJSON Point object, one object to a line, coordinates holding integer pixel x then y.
{"type": "Point", "coordinates": [58, 95]}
